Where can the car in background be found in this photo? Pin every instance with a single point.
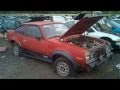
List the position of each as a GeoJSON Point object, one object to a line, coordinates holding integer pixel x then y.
{"type": "Point", "coordinates": [67, 49]}
{"type": "Point", "coordinates": [97, 32]}
{"type": "Point", "coordinates": [112, 23]}
{"type": "Point", "coordinates": [58, 19]}
{"type": "Point", "coordinates": [70, 23]}
{"type": "Point", "coordinates": [68, 18]}
{"type": "Point", "coordinates": [37, 18]}
{"type": "Point", "coordinates": [8, 22]}
{"type": "Point", "coordinates": [23, 18]}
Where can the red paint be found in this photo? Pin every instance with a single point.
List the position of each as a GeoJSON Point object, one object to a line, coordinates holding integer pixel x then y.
{"type": "Point", "coordinates": [48, 46]}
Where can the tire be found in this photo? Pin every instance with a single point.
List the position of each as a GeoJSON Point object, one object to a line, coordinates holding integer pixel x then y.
{"type": "Point", "coordinates": [17, 51]}
{"type": "Point", "coordinates": [63, 67]}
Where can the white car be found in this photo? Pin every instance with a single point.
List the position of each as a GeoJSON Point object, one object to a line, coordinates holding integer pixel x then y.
{"type": "Point", "coordinates": [69, 18]}
{"type": "Point", "coordinates": [95, 32]}
{"type": "Point", "coordinates": [58, 19]}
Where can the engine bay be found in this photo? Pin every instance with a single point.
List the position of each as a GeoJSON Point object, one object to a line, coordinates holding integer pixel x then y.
{"type": "Point", "coordinates": [85, 42]}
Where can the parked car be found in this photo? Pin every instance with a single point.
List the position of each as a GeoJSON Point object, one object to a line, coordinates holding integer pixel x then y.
{"type": "Point", "coordinates": [112, 23]}
{"type": "Point", "coordinates": [58, 19]}
{"type": "Point", "coordinates": [23, 18]}
{"type": "Point", "coordinates": [68, 18]}
{"type": "Point", "coordinates": [37, 18]}
{"type": "Point", "coordinates": [97, 32]}
{"type": "Point", "coordinates": [67, 49]}
{"type": "Point", "coordinates": [79, 16]}
{"type": "Point", "coordinates": [9, 22]}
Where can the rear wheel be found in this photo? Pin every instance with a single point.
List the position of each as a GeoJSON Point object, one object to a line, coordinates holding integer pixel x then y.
{"type": "Point", "coordinates": [64, 67]}
{"type": "Point", "coordinates": [17, 51]}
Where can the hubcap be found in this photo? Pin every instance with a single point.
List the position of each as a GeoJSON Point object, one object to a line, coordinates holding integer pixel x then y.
{"type": "Point", "coordinates": [63, 69]}
{"type": "Point", "coordinates": [16, 50]}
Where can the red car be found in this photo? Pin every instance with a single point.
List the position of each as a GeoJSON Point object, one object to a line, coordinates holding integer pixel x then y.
{"type": "Point", "coordinates": [68, 50]}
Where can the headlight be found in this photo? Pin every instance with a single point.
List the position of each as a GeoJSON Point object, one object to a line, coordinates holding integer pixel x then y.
{"type": "Point", "coordinates": [87, 55]}
{"type": "Point", "coordinates": [90, 57]}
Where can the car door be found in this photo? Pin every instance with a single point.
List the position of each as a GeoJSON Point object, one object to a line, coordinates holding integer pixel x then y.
{"type": "Point", "coordinates": [20, 33]}
{"type": "Point", "coordinates": [34, 40]}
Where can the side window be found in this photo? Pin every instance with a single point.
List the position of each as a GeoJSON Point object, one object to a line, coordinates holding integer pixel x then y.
{"type": "Point", "coordinates": [33, 31]}
{"type": "Point", "coordinates": [21, 29]}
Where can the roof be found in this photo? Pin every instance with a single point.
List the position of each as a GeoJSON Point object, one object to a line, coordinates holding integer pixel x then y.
{"type": "Point", "coordinates": [40, 23]}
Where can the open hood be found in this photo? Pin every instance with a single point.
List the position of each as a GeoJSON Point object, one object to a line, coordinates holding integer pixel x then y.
{"type": "Point", "coordinates": [81, 26]}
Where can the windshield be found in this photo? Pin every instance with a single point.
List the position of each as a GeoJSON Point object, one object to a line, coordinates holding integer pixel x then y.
{"type": "Point", "coordinates": [103, 28]}
{"type": "Point", "coordinates": [53, 30]}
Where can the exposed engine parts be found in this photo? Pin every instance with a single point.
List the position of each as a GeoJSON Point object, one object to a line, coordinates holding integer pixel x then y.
{"type": "Point", "coordinates": [85, 42]}
{"type": "Point", "coordinates": [97, 49]}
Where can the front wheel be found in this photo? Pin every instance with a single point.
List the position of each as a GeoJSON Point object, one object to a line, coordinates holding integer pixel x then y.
{"type": "Point", "coordinates": [64, 67]}
{"type": "Point", "coordinates": [17, 51]}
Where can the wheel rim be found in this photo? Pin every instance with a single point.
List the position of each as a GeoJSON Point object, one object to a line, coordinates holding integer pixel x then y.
{"type": "Point", "coordinates": [16, 50]}
{"type": "Point", "coordinates": [63, 69]}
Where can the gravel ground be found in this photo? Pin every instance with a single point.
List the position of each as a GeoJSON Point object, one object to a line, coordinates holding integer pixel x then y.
{"type": "Point", "coordinates": [12, 67]}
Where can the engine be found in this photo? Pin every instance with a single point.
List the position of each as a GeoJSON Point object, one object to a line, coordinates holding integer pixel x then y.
{"type": "Point", "coordinates": [97, 48]}
{"type": "Point", "coordinates": [85, 42]}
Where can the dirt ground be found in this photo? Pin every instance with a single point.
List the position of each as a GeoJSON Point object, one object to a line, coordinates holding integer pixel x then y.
{"type": "Point", "coordinates": [12, 67]}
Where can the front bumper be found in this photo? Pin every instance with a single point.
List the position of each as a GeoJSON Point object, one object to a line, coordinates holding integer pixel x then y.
{"type": "Point", "coordinates": [102, 57]}
{"type": "Point", "coordinates": [99, 61]}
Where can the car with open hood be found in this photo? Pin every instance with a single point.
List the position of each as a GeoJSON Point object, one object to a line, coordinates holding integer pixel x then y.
{"type": "Point", "coordinates": [67, 49]}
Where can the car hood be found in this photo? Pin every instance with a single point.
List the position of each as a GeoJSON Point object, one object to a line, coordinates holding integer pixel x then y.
{"type": "Point", "coordinates": [81, 26]}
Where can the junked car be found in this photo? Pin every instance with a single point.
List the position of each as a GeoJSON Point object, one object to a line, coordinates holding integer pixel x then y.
{"type": "Point", "coordinates": [97, 32]}
{"type": "Point", "coordinates": [9, 22]}
{"type": "Point", "coordinates": [112, 23]}
{"type": "Point", "coordinates": [67, 49]}
{"type": "Point", "coordinates": [58, 19]}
